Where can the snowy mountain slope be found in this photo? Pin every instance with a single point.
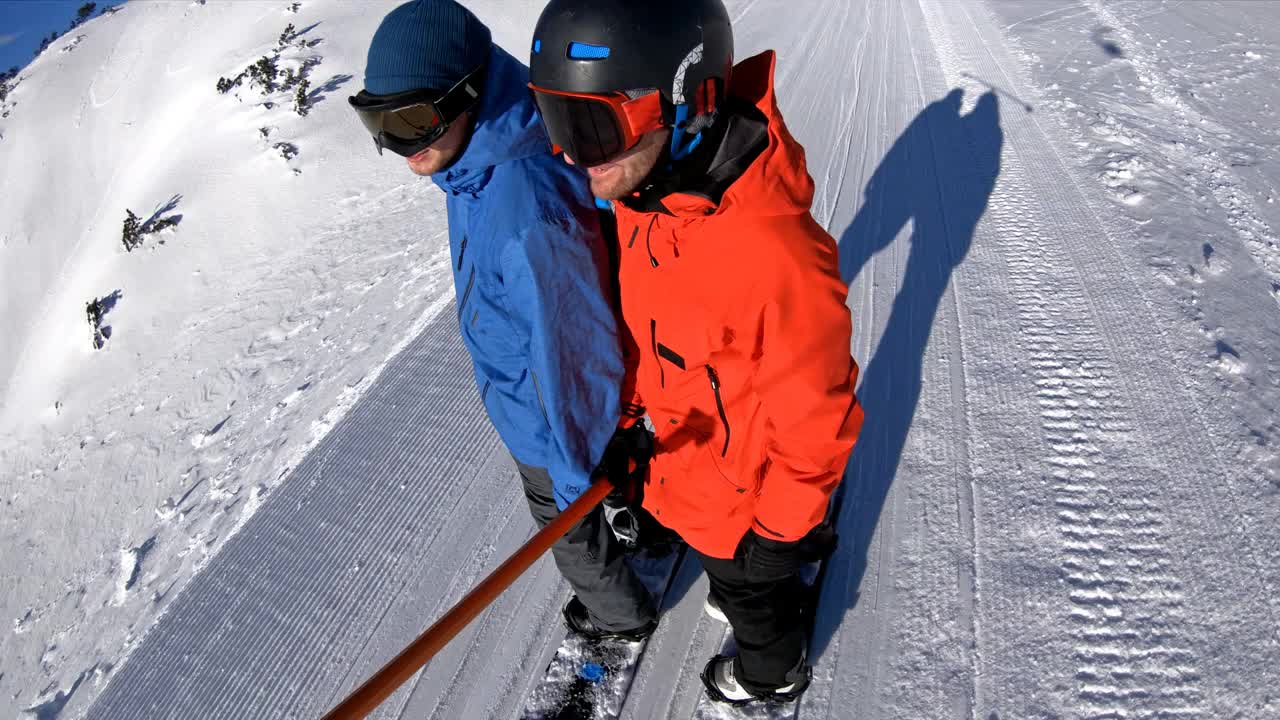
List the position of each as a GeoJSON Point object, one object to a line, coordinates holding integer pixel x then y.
{"type": "Point", "coordinates": [236, 344]}
{"type": "Point", "coordinates": [1064, 500]}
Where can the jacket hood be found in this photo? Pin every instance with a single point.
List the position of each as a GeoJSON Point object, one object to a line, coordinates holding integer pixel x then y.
{"type": "Point", "coordinates": [777, 182]}
{"type": "Point", "coordinates": [506, 128]}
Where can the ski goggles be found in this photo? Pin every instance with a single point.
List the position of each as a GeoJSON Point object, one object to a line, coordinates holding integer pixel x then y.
{"type": "Point", "coordinates": [593, 129]}
{"type": "Point", "coordinates": [409, 122]}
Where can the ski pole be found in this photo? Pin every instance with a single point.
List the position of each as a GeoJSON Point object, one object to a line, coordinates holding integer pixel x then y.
{"type": "Point", "coordinates": [394, 674]}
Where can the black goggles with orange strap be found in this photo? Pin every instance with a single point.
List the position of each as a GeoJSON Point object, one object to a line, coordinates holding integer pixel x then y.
{"type": "Point", "coordinates": [593, 129]}
{"type": "Point", "coordinates": [409, 122]}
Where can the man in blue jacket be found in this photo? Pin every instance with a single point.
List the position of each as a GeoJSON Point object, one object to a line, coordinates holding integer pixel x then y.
{"type": "Point", "coordinates": [530, 272]}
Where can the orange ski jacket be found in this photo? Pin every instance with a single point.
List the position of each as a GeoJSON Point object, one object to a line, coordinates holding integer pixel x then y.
{"type": "Point", "coordinates": [740, 346]}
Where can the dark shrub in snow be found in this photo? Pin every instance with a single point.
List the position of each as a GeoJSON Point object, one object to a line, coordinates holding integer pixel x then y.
{"type": "Point", "coordinates": [131, 236]}
{"type": "Point", "coordinates": [301, 103]}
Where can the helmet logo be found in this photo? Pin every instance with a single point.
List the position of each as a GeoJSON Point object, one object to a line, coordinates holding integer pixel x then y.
{"type": "Point", "coordinates": [677, 88]}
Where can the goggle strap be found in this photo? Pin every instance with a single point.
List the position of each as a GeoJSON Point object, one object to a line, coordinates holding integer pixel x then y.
{"type": "Point", "coordinates": [643, 114]}
{"type": "Point", "coordinates": [461, 97]}
{"type": "Point", "coordinates": [706, 97]}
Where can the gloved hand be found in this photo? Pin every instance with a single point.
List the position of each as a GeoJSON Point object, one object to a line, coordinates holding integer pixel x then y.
{"type": "Point", "coordinates": [626, 460]}
{"type": "Point", "coordinates": [625, 463]}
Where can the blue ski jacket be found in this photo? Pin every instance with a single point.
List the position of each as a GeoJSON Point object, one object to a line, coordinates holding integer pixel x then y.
{"type": "Point", "coordinates": [530, 270]}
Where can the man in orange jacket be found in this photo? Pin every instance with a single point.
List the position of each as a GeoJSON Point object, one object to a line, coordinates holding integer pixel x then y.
{"type": "Point", "coordinates": [739, 333]}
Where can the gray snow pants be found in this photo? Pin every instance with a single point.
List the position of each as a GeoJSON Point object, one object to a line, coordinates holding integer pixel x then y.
{"type": "Point", "coordinates": [591, 559]}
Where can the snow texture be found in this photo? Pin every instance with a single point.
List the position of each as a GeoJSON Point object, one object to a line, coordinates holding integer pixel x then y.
{"type": "Point", "coordinates": [1059, 225]}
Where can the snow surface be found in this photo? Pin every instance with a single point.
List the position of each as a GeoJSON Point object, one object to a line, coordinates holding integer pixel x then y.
{"type": "Point", "coordinates": [1065, 288]}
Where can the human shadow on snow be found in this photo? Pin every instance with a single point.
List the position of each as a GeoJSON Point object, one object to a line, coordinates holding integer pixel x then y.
{"type": "Point", "coordinates": [938, 176]}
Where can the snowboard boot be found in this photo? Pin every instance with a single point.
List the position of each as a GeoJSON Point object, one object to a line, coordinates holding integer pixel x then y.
{"type": "Point", "coordinates": [712, 609]}
{"type": "Point", "coordinates": [579, 620]}
{"type": "Point", "coordinates": [719, 677]}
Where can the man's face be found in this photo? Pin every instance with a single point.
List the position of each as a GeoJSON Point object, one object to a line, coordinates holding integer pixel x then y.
{"type": "Point", "coordinates": [443, 151]}
{"type": "Point", "coordinates": [621, 176]}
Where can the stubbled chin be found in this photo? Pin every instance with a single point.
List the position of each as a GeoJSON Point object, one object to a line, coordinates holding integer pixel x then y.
{"type": "Point", "coordinates": [605, 189]}
{"type": "Point", "coordinates": [422, 163]}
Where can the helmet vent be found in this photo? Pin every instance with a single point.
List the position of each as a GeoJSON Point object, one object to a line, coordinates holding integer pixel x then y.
{"type": "Point", "coordinates": [583, 51]}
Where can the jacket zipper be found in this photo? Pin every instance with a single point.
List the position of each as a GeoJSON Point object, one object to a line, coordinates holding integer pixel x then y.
{"type": "Point", "coordinates": [653, 337]}
{"type": "Point", "coordinates": [648, 235]}
{"type": "Point", "coordinates": [471, 279]}
{"type": "Point", "coordinates": [462, 251]}
{"type": "Point", "coordinates": [724, 419]}
{"type": "Point", "coordinates": [537, 389]}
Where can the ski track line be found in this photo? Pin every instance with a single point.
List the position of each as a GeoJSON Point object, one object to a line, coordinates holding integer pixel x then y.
{"type": "Point", "coordinates": [309, 550]}
{"type": "Point", "coordinates": [681, 641]}
{"type": "Point", "coordinates": [478, 647]}
{"type": "Point", "coordinates": [966, 498]}
{"type": "Point", "coordinates": [1093, 265]}
{"type": "Point", "coordinates": [864, 608]}
{"type": "Point", "coordinates": [501, 535]}
{"type": "Point", "coordinates": [1126, 588]}
{"type": "Point", "coordinates": [1119, 613]}
{"type": "Point", "coordinates": [879, 614]}
{"type": "Point", "coordinates": [458, 582]}
{"type": "Point", "coordinates": [450, 529]}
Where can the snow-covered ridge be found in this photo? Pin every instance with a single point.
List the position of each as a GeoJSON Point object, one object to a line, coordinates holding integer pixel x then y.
{"type": "Point", "coordinates": [236, 338]}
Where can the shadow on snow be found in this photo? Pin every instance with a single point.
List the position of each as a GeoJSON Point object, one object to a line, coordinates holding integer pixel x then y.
{"type": "Point", "coordinates": [938, 176]}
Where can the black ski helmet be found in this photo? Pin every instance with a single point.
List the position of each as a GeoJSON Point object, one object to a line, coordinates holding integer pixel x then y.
{"type": "Point", "coordinates": [606, 46]}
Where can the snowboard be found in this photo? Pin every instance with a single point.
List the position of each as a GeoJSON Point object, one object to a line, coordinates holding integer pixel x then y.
{"type": "Point", "coordinates": [589, 679]}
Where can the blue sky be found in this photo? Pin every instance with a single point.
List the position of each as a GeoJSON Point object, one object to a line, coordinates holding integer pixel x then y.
{"type": "Point", "coordinates": [23, 23]}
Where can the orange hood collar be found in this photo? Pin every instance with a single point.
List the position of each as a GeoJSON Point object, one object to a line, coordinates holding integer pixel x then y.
{"type": "Point", "coordinates": [777, 182]}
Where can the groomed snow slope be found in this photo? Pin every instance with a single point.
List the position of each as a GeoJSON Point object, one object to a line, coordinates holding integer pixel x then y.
{"type": "Point", "coordinates": [1057, 222]}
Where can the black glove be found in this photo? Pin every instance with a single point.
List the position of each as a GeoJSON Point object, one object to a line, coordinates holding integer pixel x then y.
{"type": "Point", "coordinates": [819, 543]}
{"type": "Point", "coordinates": [626, 460]}
{"type": "Point", "coordinates": [625, 463]}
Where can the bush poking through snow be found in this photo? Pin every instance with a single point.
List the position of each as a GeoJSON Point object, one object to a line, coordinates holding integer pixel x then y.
{"type": "Point", "coordinates": [288, 151]}
{"type": "Point", "coordinates": [302, 103]}
{"type": "Point", "coordinates": [84, 13]}
{"type": "Point", "coordinates": [45, 43]}
{"type": "Point", "coordinates": [131, 236]}
{"type": "Point", "coordinates": [95, 312]}
{"type": "Point", "coordinates": [135, 231]}
{"type": "Point", "coordinates": [8, 81]}
{"type": "Point", "coordinates": [161, 224]}
{"type": "Point", "coordinates": [264, 73]}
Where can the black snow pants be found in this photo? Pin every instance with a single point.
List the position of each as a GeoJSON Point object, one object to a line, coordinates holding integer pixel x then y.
{"type": "Point", "coordinates": [591, 559]}
{"type": "Point", "coordinates": [768, 622]}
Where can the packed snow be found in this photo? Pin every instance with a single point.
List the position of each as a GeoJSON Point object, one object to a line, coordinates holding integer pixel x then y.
{"type": "Point", "coordinates": [264, 468]}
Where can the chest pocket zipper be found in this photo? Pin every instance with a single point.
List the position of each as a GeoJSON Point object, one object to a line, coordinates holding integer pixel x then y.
{"type": "Point", "coordinates": [657, 358]}
{"type": "Point", "coordinates": [724, 418]}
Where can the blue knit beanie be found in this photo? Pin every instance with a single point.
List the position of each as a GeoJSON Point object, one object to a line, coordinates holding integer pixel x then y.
{"type": "Point", "coordinates": [425, 44]}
